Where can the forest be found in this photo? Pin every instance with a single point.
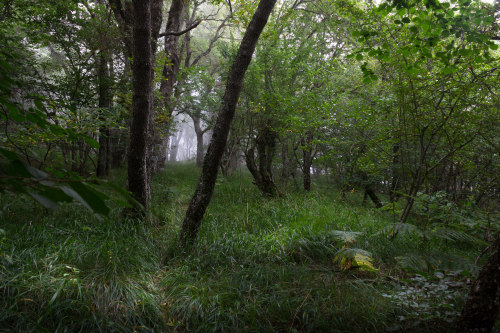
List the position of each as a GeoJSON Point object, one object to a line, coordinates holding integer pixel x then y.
{"type": "Point", "coordinates": [249, 166]}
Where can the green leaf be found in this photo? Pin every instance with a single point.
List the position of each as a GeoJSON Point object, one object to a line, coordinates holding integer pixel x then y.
{"type": "Point", "coordinates": [55, 194]}
{"type": "Point", "coordinates": [15, 113]}
{"type": "Point", "coordinates": [39, 104]}
{"type": "Point", "coordinates": [17, 168]}
{"type": "Point", "coordinates": [90, 196]}
{"type": "Point", "coordinates": [124, 193]}
{"type": "Point", "coordinates": [57, 130]}
{"type": "Point", "coordinates": [70, 192]}
{"type": "Point", "coordinates": [38, 174]}
{"type": "Point", "coordinates": [93, 143]}
{"type": "Point", "coordinates": [449, 70]}
{"type": "Point", "coordinates": [46, 202]}
{"type": "Point", "coordinates": [345, 236]}
{"type": "Point", "coordinates": [9, 154]}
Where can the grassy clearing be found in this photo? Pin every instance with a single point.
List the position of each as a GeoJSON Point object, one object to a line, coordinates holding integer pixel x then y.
{"type": "Point", "coordinates": [259, 265]}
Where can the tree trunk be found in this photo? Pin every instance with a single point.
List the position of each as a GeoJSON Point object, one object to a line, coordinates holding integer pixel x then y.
{"type": "Point", "coordinates": [174, 146]}
{"type": "Point", "coordinates": [230, 157]}
{"type": "Point", "coordinates": [199, 139]}
{"type": "Point", "coordinates": [263, 172]}
{"type": "Point", "coordinates": [169, 77]}
{"type": "Point", "coordinates": [156, 19]}
{"type": "Point", "coordinates": [373, 196]}
{"type": "Point", "coordinates": [285, 160]}
{"type": "Point", "coordinates": [307, 161]}
{"type": "Point", "coordinates": [104, 103]}
{"type": "Point", "coordinates": [119, 139]}
{"type": "Point", "coordinates": [410, 199]}
{"type": "Point", "coordinates": [206, 184]}
{"type": "Point", "coordinates": [266, 144]}
{"type": "Point", "coordinates": [141, 103]}
{"type": "Point", "coordinates": [396, 179]}
{"type": "Point", "coordinates": [482, 304]}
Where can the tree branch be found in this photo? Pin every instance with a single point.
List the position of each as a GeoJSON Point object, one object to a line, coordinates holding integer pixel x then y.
{"type": "Point", "coordinates": [179, 33]}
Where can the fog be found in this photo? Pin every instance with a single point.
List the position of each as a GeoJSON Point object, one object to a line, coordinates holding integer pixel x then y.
{"type": "Point", "coordinates": [182, 143]}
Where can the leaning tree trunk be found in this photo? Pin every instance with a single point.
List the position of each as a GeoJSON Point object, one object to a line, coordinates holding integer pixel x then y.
{"type": "Point", "coordinates": [138, 180]}
{"type": "Point", "coordinates": [212, 160]}
{"type": "Point", "coordinates": [373, 196]}
{"type": "Point", "coordinates": [482, 305]}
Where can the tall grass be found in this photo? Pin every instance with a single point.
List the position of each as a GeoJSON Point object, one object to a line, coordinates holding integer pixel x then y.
{"type": "Point", "coordinates": [259, 264]}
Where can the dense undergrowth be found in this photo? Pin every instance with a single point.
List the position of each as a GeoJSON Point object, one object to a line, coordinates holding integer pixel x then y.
{"type": "Point", "coordinates": [258, 265]}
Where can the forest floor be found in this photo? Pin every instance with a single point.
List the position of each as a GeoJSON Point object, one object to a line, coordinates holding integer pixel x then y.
{"type": "Point", "coordinates": [259, 265]}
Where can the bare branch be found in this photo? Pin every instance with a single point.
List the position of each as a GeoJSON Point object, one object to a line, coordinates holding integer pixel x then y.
{"type": "Point", "coordinates": [179, 33]}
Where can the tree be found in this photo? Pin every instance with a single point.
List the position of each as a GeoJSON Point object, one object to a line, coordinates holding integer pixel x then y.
{"type": "Point", "coordinates": [138, 179]}
{"type": "Point", "coordinates": [206, 184]}
{"type": "Point", "coordinates": [483, 302]}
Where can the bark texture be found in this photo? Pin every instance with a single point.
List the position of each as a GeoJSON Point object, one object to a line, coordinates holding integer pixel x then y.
{"type": "Point", "coordinates": [141, 102]}
{"type": "Point", "coordinates": [483, 302]}
{"type": "Point", "coordinates": [206, 184]}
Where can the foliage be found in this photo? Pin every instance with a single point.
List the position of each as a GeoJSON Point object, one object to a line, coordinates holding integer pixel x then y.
{"type": "Point", "coordinates": [397, 100]}
{"type": "Point", "coordinates": [269, 267]}
{"type": "Point", "coordinates": [19, 176]}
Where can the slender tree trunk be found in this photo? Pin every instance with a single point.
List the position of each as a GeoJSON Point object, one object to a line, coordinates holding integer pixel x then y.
{"type": "Point", "coordinates": [104, 103]}
{"type": "Point", "coordinates": [373, 196]}
{"type": "Point", "coordinates": [482, 305]}
{"type": "Point", "coordinates": [199, 139]}
{"type": "Point", "coordinates": [141, 103]}
{"type": "Point", "coordinates": [169, 77]}
{"type": "Point", "coordinates": [396, 179]}
{"type": "Point", "coordinates": [412, 193]}
{"type": "Point", "coordinates": [174, 146]}
{"type": "Point", "coordinates": [266, 144]}
{"type": "Point", "coordinates": [206, 184]}
{"type": "Point", "coordinates": [252, 167]}
{"type": "Point", "coordinates": [285, 159]}
{"type": "Point", "coordinates": [156, 19]}
{"type": "Point", "coordinates": [307, 161]}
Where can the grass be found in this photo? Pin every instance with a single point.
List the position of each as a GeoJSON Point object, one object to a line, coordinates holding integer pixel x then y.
{"type": "Point", "coordinates": [259, 265]}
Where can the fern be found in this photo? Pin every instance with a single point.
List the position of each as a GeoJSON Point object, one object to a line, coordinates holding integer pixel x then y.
{"type": "Point", "coordinates": [346, 237]}
{"type": "Point", "coordinates": [420, 262]}
{"type": "Point", "coordinates": [457, 236]}
{"type": "Point", "coordinates": [403, 228]}
{"type": "Point", "coordinates": [349, 257]}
